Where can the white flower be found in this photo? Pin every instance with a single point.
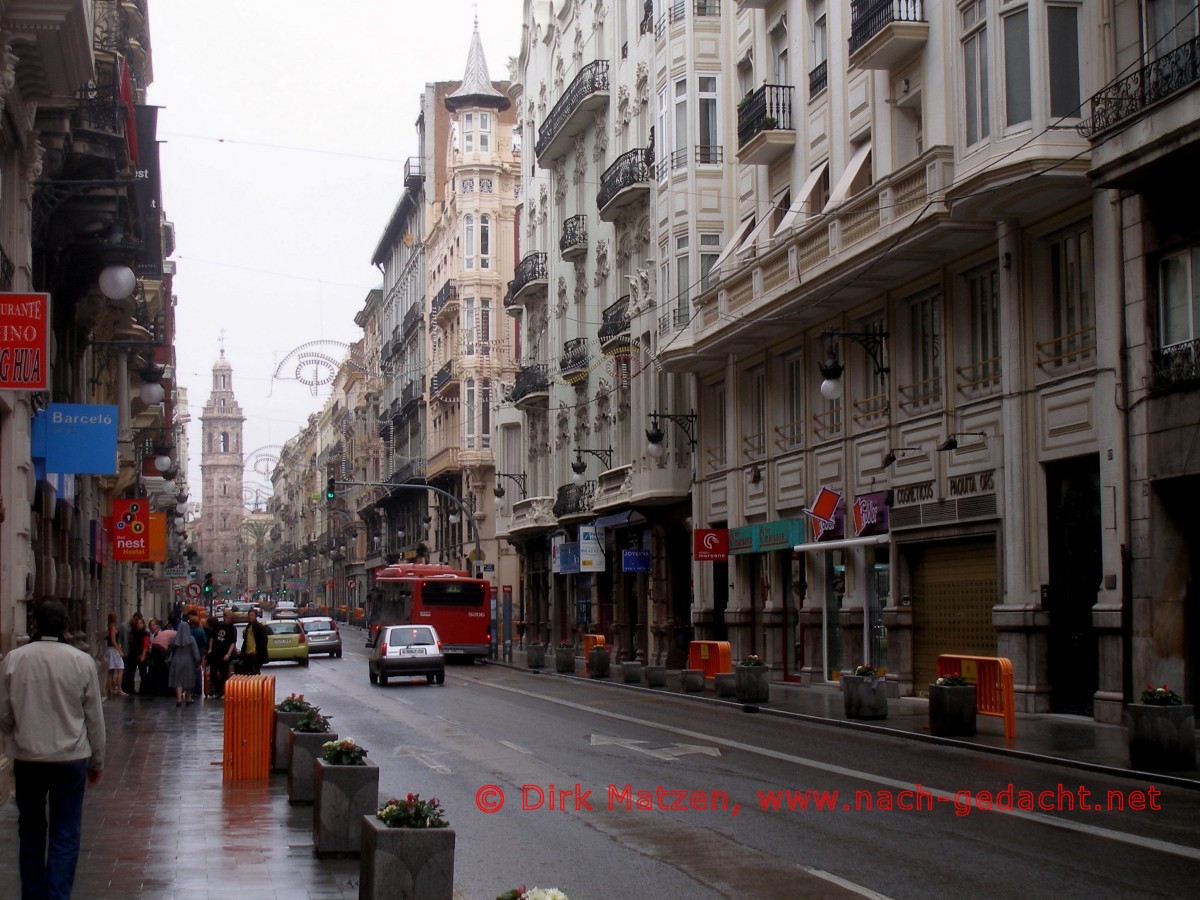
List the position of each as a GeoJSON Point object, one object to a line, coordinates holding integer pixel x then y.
{"type": "Point", "coordinates": [538, 893]}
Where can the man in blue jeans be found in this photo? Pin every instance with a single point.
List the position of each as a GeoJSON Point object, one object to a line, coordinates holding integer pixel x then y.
{"type": "Point", "coordinates": [50, 704]}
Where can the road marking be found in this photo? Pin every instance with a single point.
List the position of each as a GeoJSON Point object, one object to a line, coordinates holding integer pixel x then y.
{"type": "Point", "coordinates": [848, 885]}
{"type": "Point", "coordinates": [1146, 843]}
{"type": "Point", "coordinates": [511, 746]}
{"type": "Point", "coordinates": [423, 755]}
{"type": "Point", "coordinates": [667, 754]}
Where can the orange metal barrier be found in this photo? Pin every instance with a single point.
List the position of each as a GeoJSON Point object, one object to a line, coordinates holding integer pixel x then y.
{"type": "Point", "coordinates": [993, 680]}
{"type": "Point", "coordinates": [590, 643]}
{"type": "Point", "coordinates": [712, 657]}
{"type": "Point", "coordinates": [249, 722]}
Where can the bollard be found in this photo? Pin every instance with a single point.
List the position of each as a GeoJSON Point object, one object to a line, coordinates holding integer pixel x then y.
{"type": "Point", "coordinates": [249, 721]}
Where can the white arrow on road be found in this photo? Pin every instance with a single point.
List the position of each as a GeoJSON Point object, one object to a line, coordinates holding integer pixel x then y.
{"type": "Point", "coordinates": [423, 755]}
{"type": "Point", "coordinates": [668, 754]}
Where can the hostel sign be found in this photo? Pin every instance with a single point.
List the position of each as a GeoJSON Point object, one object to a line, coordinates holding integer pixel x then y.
{"type": "Point", "coordinates": [23, 341]}
{"type": "Point", "coordinates": [131, 530]}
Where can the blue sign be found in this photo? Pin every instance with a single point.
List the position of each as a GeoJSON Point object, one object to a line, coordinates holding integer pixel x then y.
{"type": "Point", "coordinates": [635, 560]}
{"type": "Point", "coordinates": [76, 438]}
{"type": "Point", "coordinates": [568, 558]}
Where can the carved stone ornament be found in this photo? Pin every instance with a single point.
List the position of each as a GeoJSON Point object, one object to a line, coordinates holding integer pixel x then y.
{"type": "Point", "coordinates": [624, 114]}
{"type": "Point", "coordinates": [642, 84]}
{"type": "Point", "coordinates": [560, 75]}
{"type": "Point", "coordinates": [580, 280]}
{"type": "Point", "coordinates": [542, 101]}
{"type": "Point", "coordinates": [560, 180]}
{"type": "Point", "coordinates": [577, 51]}
{"type": "Point", "coordinates": [599, 14]}
{"type": "Point", "coordinates": [562, 421]}
{"type": "Point", "coordinates": [624, 250]}
{"type": "Point", "coordinates": [643, 291]}
{"type": "Point", "coordinates": [8, 72]}
{"type": "Point", "coordinates": [603, 405]}
{"type": "Point", "coordinates": [577, 142]}
{"type": "Point", "coordinates": [543, 203]}
{"type": "Point", "coordinates": [601, 145]}
{"type": "Point", "coordinates": [583, 427]}
{"type": "Point", "coordinates": [560, 307]}
{"type": "Point", "coordinates": [601, 263]}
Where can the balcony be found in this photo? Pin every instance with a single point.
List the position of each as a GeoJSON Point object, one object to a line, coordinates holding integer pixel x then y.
{"type": "Point", "coordinates": [572, 113]}
{"type": "Point", "coordinates": [886, 34]}
{"type": "Point", "coordinates": [614, 324]}
{"type": "Point", "coordinates": [529, 280]}
{"type": "Point", "coordinates": [445, 382]}
{"type": "Point", "coordinates": [1166, 76]}
{"type": "Point", "coordinates": [674, 319]}
{"type": "Point", "coordinates": [412, 318]}
{"type": "Point", "coordinates": [574, 241]}
{"type": "Point", "coordinates": [411, 394]}
{"type": "Point", "coordinates": [626, 181]}
{"type": "Point", "coordinates": [532, 386]}
{"type": "Point", "coordinates": [1176, 366]}
{"type": "Point", "coordinates": [765, 130]}
{"type": "Point", "coordinates": [445, 303]}
{"type": "Point", "coordinates": [414, 174]}
{"type": "Point", "coordinates": [573, 366]}
{"type": "Point", "coordinates": [575, 501]}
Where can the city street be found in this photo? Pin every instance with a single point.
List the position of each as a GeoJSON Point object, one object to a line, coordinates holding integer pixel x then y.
{"type": "Point", "coordinates": [606, 791]}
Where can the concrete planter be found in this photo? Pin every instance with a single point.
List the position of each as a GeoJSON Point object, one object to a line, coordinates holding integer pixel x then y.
{"type": "Point", "coordinates": [952, 710]}
{"type": "Point", "coordinates": [752, 684]}
{"type": "Point", "coordinates": [304, 748]}
{"type": "Point", "coordinates": [405, 862]}
{"type": "Point", "coordinates": [864, 696]}
{"type": "Point", "coordinates": [631, 672]}
{"type": "Point", "coordinates": [725, 684]}
{"type": "Point", "coordinates": [691, 680]}
{"type": "Point", "coordinates": [284, 722]}
{"type": "Point", "coordinates": [1161, 738]}
{"type": "Point", "coordinates": [535, 656]}
{"type": "Point", "coordinates": [342, 796]}
{"type": "Point", "coordinates": [564, 659]}
{"type": "Point", "coordinates": [598, 663]}
{"type": "Point", "coordinates": [656, 676]}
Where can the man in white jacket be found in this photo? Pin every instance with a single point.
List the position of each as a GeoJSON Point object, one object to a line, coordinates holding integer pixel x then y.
{"type": "Point", "coordinates": [50, 704]}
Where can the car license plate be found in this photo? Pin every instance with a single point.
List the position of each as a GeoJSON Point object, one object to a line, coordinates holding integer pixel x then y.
{"type": "Point", "coordinates": [281, 642]}
{"type": "Point", "coordinates": [412, 651]}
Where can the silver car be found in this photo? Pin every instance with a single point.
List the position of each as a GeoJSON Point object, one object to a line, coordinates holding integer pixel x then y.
{"type": "Point", "coordinates": [322, 635]}
{"type": "Point", "coordinates": [406, 650]}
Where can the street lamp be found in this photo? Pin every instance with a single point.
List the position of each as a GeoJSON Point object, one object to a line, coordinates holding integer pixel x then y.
{"type": "Point", "coordinates": [579, 466]}
{"type": "Point", "coordinates": [951, 442]}
{"type": "Point", "coordinates": [685, 422]}
{"type": "Point", "coordinates": [831, 368]}
{"type": "Point", "coordinates": [520, 478]}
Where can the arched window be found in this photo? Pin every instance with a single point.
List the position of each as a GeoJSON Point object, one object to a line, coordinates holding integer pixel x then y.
{"type": "Point", "coordinates": [224, 441]}
{"type": "Point", "coordinates": [485, 241]}
{"type": "Point", "coordinates": [469, 241]}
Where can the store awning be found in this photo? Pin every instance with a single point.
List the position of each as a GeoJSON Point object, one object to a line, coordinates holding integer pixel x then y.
{"type": "Point", "coordinates": [616, 520]}
{"type": "Point", "coordinates": [842, 544]}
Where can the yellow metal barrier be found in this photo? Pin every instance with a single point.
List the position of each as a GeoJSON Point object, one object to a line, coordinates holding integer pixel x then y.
{"type": "Point", "coordinates": [249, 722]}
{"type": "Point", "coordinates": [713, 657]}
{"type": "Point", "coordinates": [590, 643]}
{"type": "Point", "coordinates": [993, 680]}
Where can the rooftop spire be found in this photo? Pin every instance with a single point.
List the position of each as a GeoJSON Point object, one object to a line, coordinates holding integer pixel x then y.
{"type": "Point", "coordinates": [476, 88]}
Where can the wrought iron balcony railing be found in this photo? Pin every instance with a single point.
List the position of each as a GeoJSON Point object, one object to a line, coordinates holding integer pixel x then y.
{"type": "Point", "coordinates": [769, 107]}
{"type": "Point", "coordinates": [1176, 366]}
{"type": "Point", "coordinates": [447, 295]}
{"type": "Point", "coordinates": [1167, 75]}
{"type": "Point", "coordinates": [443, 378]}
{"type": "Point", "coordinates": [574, 499]}
{"type": "Point", "coordinates": [530, 270]}
{"type": "Point", "coordinates": [414, 173]}
{"type": "Point", "coordinates": [629, 169]}
{"type": "Point", "coordinates": [574, 236]}
{"type": "Point", "coordinates": [614, 321]}
{"type": "Point", "coordinates": [412, 392]}
{"type": "Point", "coordinates": [531, 379]}
{"type": "Point", "coordinates": [99, 106]}
{"type": "Point", "coordinates": [592, 79]}
{"type": "Point", "coordinates": [869, 17]}
{"type": "Point", "coordinates": [411, 319]}
{"type": "Point", "coordinates": [818, 79]}
{"type": "Point", "coordinates": [575, 356]}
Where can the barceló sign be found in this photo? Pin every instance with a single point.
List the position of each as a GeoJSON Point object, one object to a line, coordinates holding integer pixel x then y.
{"type": "Point", "coordinates": [23, 341]}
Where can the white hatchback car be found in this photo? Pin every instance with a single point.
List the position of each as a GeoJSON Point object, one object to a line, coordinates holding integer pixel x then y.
{"type": "Point", "coordinates": [406, 650]}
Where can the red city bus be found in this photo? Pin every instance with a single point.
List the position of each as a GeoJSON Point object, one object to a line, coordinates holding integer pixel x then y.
{"type": "Point", "coordinates": [450, 600]}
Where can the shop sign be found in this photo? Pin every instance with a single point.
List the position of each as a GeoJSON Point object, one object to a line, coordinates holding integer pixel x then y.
{"type": "Point", "coordinates": [870, 514]}
{"type": "Point", "coordinates": [131, 530]}
{"type": "Point", "coordinates": [591, 550]}
{"type": "Point", "coordinates": [568, 558]}
{"type": "Point", "coordinates": [741, 540]}
{"type": "Point", "coordinates": [781, 535]}
{"type": "Point", "coordinates": [77, 438]}
{"type": "Point", "coordinates": [24, 341]}
{"type": "Point", "coordinates": [826, 515]}
{"type": "Point", "coordinates": [710, 545]}
{"type": "Point", "coordinates": [635, 560]}
{"type": "Point", "coordinates": [975, 483]}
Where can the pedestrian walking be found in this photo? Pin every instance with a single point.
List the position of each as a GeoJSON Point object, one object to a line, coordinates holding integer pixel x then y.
{"type": "Point", "coordinates": [50, 704]}
{"type": "Point", "coordinates": [254, 646]}
{"type": "Point", "coordinates": [201, 638]}
{"type": "Point", "coordinates": [185, 657]}
{"type": "Point", "coordinates": [113, 658]}
{"type": "Point", "coordinates": [132, 647]}
{"type": "Point", "coordinates": [221, 651]}
{"type": "Point", "coordinates": [139, 653]}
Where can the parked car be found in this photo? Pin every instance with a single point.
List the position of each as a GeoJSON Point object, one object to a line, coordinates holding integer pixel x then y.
{"type": "Point", "coordinates": [406, 650]}
{"type": "Point", "coordinates": [286, 642]}
{"type": "Point", "coordinates": [323, 635]}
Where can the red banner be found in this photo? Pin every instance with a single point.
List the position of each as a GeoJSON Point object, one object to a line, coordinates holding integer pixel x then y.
{"type": "Point", "coordinates": [23, 341]}
{"type": "Point", "coordinates": [131, 530]}
{"type": "Point", "coordinates": [710, 544]}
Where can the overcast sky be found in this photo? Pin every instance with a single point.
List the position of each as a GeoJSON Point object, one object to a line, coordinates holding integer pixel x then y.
{"type": "Point", "coordinates": [285, 125]}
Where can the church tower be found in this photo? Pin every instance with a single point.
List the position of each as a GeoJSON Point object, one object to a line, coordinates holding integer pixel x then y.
{"type": "Point", "coordinates": [220, 536]}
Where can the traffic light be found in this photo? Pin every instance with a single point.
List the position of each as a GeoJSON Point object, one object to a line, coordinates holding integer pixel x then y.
{"type": "Point", "coordinates": [208, 585]}
{"type": "Point", "coordinates": [330, 491]}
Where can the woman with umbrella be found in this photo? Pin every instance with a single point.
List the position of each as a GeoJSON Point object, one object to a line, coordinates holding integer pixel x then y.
{"type": "Point", "coordinates": [181, 669]}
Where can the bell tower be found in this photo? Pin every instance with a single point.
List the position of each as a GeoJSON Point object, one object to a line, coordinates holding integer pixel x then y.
{"type": "Point", "coordinates": [222, 511]}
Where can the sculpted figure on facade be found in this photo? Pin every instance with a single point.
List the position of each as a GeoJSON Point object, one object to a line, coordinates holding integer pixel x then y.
{"type": "Point", "coordinates": [624, 114]}
{"type": "Point", "coordinates": [601, 273]}
{"type": "Point", "coordinates": [560, 180]}
{"type": "Point", "coordinates": [642, 86]}
{"type": "Point", "coordinates": [600, 124]}
{"type": "Point", "coordinates": [580, 280]}
{"type": "Point", "coordinates": [562, 421]}
{"type": "Point", "coordinates": [560, 306]}
{"type": "Point", "coordinates": [577, 51]}
{"type": "Point", "coordinates": [579, 146]}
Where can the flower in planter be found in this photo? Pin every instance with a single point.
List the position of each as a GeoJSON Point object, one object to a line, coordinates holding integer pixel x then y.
{"type": "Point", "coordinates": [565, 645]}
{"type": "Point", "coordinates": [537, 893]}
{"type": "Point", "coordinates": [294, 703]}
{"type": "Point", "coordinates": [954, 680]}
{"type": "Point", "coordinates": [1162, 696]}
{"type": "Point", "coordinates": [344, 753]}
{"type": "Point", "coordinates": [751, 660]}
{"type": "Point", "coordinates": [312, 722]}
{"type": "Point", "coordinates": [412, 812]}
{"type": "Point", "coordinates": [865, 670]}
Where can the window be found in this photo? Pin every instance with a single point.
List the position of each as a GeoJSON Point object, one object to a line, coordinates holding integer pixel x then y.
{"type": "Point", "coordinates": [1179, 298]}
{"type": "Point", "coordinates": [818, 48]}
{"type": "Point", "coordinates": [468, 325]}
{"type": "Point", "coordinates": [707, 151]}
{"type": "Point", "coordinates": [469, 132]}
{"type": "Point", "coordinates": [485, 409]}
{"type": "Point", "coordinates": [224, 441]}
{"type": "Point", "coordinates": [485, 131]}
{"type": "Point", "coordinates": [1170, 24]}
{"type": "Point", "coordinates": [745, 77]}
{"type": "Point", "coordinates": [779, 53]}
{"type": "Point", "coordinates": [925, 349]}
{"type": "Point", "coordinates": [469, 241]}
{"type": "Point", "coordinates": [975, 70]}
{"type": "Point", "coordinates": [485, 327]}
{"type": "Point", "coordinates": [469, 412]}
{"type": "Point", "coordinates": [681, 130]}
{"type": "Point", "coordinates": [662, 128]}
{"type": "Point", "coordinates": [485, 241]}
{"type": "Point", "coordinates": [682, 278]}
{"type": "Point", "coordinates": [983, 289]}
{"type": "Point", "coordinates": [793, 431]}
{"type": "Point", "coordinates": [710, 250]}
{"type": "Point", "coordinates": [1063, 27]}
{"type": "Point", "coordinates": [1071, 295]}
{"type": "Point", "coordinates": [1017, 101]}
{"type": "Point", "coordinates": [754, 440]}
{"type": "Point", "coordinates": [664, 277]}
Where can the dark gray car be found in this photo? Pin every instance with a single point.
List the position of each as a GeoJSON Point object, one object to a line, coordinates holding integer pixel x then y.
{"type": "Point", "coordinates": [322, 635]}
{"type": "Point", "coordinates": [406, 650]}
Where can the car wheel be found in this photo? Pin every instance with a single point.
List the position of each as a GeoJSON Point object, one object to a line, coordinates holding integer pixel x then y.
{"type": "Point", "coordinates": [304, 662]}
{"type": "Point", "coordinates": [429, 679]}
{"type": "Point", "coordinates": [338, 654]}
{"type": "Point", "coordinates": [382, 678]}
{"type": "Point", "coordinates": [441, 677]}
{"type": "Point", "coordinates": [371, 676]}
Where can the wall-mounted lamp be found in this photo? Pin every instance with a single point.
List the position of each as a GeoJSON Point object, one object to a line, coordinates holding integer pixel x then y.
{"type": "Point", "coordinates": [117, 282]}
{"type": "Point", "coordinates": [831, 369]}
{"type": "Point", "coordinates": [686, 423]}
{"type": "Point", "coordinates": [579, 466]}
{"type": "Point", "coordinates": [162, 462]}
{"type": "Point", "coordinates": [520, 478]}
{"type": "Point", "coordinates": [453, 517]}
{"type": "Point", "coordinates": [951, 442]}
{"type": "Point", "coordinates": [892, 455]}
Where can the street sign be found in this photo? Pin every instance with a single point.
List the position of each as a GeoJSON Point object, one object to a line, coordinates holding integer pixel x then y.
{"type": "Point", "coordinates": [175, 572]}
{"type": "Point", "coordinates": [193, 589]}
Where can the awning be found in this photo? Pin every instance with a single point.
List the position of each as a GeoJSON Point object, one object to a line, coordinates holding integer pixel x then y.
{"type": "Point", "coordinates": [842, 544]}
{"type": "Point", "coordinates": [626, 517]}
{"type": "Point", "coordinates": [737, 239]}
{"type": "Point", "coordinates": [748, 243]}
{"type": "Point", "coordinates": [843, 186]}
{"type": "Point", "coordinates": [797, 208]}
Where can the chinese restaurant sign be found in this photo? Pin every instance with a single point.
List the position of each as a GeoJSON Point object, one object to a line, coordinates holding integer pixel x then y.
{"type": "Point", "coordinates": [23, 341]}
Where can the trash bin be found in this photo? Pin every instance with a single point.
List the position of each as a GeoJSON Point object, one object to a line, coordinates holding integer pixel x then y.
{"type": "Point", "coordinates": [249, 721]}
